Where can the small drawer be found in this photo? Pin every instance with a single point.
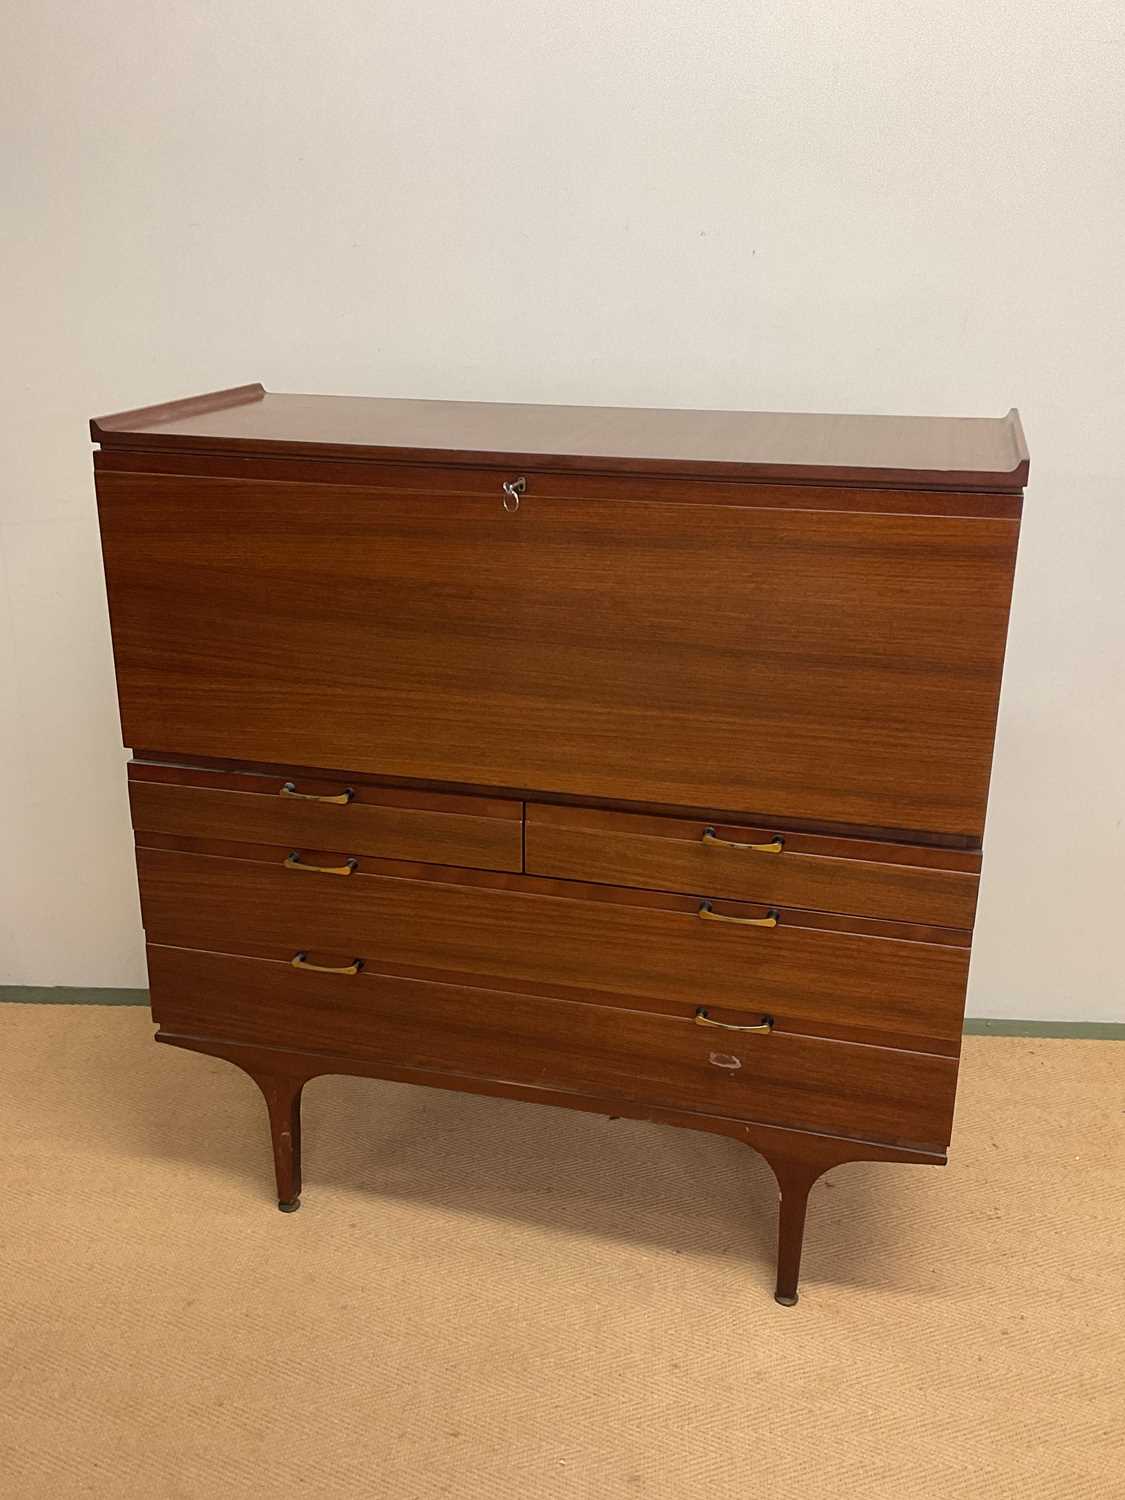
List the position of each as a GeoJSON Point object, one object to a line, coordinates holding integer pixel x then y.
{"type": "Point", "coordinates": [664, 1061]}
{"type": "Point", "coordinates": [898, 882]}
{"type": "Point", "coordinates": [477, 832]}
{"type": "Point", "coordinates": [641, 950]}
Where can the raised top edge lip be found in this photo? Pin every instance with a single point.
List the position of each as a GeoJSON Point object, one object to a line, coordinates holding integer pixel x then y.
{"type": "Point", "coordinates": [135, 429]}
{"type": "Point", "coordinates": [117, 426]}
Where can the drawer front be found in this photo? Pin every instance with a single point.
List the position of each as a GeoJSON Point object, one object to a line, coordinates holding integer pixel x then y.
{"type": "Point", "coordinates": [901, 1098]}
{"type": "Point", "coordinates": [481, 833]}
{"type": "Point", "coordinates": [753, 864]}
{"type": "Point", "coordinates": [830, 667]}
{"type": "Point", "coordinates": [608, 943]}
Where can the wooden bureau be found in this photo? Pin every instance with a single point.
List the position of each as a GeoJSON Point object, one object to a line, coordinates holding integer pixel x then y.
{"type": "Point", "coordinates": [630, 761]}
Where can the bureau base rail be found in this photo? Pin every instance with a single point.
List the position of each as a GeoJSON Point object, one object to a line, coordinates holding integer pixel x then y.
{"type": "Point", "coordinates": [797, 1158]}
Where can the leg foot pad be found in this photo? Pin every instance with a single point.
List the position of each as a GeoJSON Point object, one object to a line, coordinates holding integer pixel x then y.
{"type": "Point", "coordinates": [290, 1207]}
{"type": "Point", "coordinates": [786, 1301]}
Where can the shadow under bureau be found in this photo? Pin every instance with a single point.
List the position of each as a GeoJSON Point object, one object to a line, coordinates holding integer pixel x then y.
{"type": "Point", "coordinates": [630, 761]}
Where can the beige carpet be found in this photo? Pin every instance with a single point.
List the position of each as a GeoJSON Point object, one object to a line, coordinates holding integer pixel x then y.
{"type": "Point", "coordinates": [490, 1299]}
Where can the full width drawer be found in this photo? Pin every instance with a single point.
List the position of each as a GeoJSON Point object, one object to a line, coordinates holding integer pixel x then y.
{"type": "Point", "coordinates": [896, 881]}
{"type": "Point", "coordinates": [666, 1061]}
{"type": "Point", "coordinates": [479, 832]}
{"type": "Point", "coordinates": [629, 948]}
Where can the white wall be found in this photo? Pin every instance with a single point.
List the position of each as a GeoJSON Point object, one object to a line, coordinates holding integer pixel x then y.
{"type": "Point", "coordinates": [872, 206]}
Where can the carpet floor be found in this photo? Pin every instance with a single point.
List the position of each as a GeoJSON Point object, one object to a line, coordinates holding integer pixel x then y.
{"type": "Point", "coordinates": [489, 1299]}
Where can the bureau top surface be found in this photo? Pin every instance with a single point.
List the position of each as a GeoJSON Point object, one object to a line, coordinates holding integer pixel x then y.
{"type": "Point", "coordinates": [931, 452]}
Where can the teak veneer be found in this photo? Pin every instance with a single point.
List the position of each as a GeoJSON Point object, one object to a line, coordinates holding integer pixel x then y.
{"type": "Point", "coordinates": [630, 761]}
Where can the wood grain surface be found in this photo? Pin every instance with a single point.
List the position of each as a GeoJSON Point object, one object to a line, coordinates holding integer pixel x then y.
{"type": "Point", "coordinates": [959, 452]}
{"type": "Point", "coordinates": [550, 484]}
{"type": "Point", "coordinates": [826, 666]}
{"type": "Point", "coordinates": [896, 1097]}
{"type": "Point", "coordinates": [394, 825]}
{"type": "Point", "coordinates": [469, 708]}
{"type": "Point", "coordinates": [871, 880]}
{"type": "Point", "coordinates": [810, 979]}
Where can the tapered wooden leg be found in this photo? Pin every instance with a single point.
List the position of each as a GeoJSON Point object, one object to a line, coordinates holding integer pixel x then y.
{"type": "Point", "coordinates": [793, 1182]}
{"type": "Point", "coordinates": [283, 1100]}
{"type": "Point", "coordinates": [795, 1176]}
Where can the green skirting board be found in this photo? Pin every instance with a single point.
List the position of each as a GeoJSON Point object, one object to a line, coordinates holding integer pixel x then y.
{"type": "Point", "coordinates": [30, 994]}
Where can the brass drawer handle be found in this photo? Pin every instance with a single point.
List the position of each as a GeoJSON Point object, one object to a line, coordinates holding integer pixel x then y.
{"type": "Point", "coordinates": [775, 845]}
{"type": "Point", "coordinates": [301, 961]}
{"type": "Point", "coordinates": [771, 919]}
{"type": "Point", "coordinates": [293, 862]}
{"type": "Point", "coordinates": [703, 1019]}
{"type": "Point", "coordinates": [289, 790]}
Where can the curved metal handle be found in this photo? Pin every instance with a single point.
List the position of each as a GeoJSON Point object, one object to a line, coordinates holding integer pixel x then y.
{"type": "Point", "coordinates": [301, 961]}
{"type": "Point", "coordinates": [293, 862]}
{"type": "Point", "coordinates": [513, 489]}
{"type": "Point", "coordinates": [703, 1019]}
{"type": "Point", "coordinates": [289, 790]}
{"type": "Point", "coordinates": [771, 918]}
{"type": "Point", "coordinates": [775, 845]}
